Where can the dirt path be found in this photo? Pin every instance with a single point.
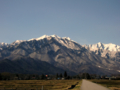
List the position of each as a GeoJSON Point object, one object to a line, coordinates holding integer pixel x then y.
{"type": "Point", "coordinates": [87, 85]}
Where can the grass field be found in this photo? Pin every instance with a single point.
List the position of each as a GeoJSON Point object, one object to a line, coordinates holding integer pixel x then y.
{"type": "Point", "coordinates": [112, 84]}
{"type": "Point", "coordinates": [53, 84]}
{"type": "Point", "coordinates": [39, 84]}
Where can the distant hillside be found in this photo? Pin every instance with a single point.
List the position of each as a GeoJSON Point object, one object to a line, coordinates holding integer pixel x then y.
{"type": "Point", "coordinates": [29, 66]}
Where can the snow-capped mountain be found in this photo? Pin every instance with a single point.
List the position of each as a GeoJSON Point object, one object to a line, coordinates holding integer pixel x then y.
{"type": "Point", "coordinates": [65, 41]}
{"type": "Point", "coordinates": [110, 50]}
{"type": "Point", "coordinates": [61, 53]}
{"type": "Point", "coordinates": [17, 42]}
{"type": "Point", "coordinates": [99, 45]}
{"type": "Point", "coordinates": [3, 45]}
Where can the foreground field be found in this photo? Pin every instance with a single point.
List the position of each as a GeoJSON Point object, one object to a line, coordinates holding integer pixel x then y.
{"type": "Point", "coordinates": [112, 84]}
{"type": "Point", "coordinates": [40, 84]}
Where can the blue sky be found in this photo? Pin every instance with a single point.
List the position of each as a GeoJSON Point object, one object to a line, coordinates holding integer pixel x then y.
{"type": "Point", "coordinates": [84, 21]}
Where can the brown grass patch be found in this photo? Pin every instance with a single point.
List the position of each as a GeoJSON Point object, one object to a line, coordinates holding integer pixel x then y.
{"type": "Point", "coordinates": [38, 84]}
{"type": "Point", "coordinates": [112, 84]}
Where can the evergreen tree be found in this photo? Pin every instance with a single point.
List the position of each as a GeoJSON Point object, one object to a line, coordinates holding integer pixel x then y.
{"type": "Point", "coordinates": [61, 75]}
{"type": "Point", "coordinates": [86, 76]}
{"type": "Point", "coordinates": [57, 75]}
{"type": "Point", "coordinates": [65, 74]}
{"type": "Point", "coordinates": [43, 76]}
{"type": "Point", "coordinates": [0, 76]}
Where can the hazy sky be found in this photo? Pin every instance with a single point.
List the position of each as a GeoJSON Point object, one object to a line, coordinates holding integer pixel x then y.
{"type": "Point", "coordinates": [84, 21]}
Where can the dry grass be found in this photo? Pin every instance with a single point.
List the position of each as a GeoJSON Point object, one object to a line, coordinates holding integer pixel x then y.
{"type": "Point", "coordinates": [38, 84]}
{"type": "Point", "coordinates": [77, 87]}
{"type": "Point", "coordinates": [112, 84]}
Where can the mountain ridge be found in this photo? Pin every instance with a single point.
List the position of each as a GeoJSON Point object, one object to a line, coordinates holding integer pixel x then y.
{"type": "Point", "coordinates": [62, 53]}
{"type": "Point", "coordinates": [99, 45]}
{"type": "Point", "coordinates": [110, 51]}
{"type": "Point", "coordinates": [55, 36]}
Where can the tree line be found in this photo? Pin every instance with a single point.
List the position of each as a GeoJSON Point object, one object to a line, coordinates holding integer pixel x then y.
{"type": "Point", "coordinates": [58, 76]}
{"type": "Point", "coordinates": [13, 76]}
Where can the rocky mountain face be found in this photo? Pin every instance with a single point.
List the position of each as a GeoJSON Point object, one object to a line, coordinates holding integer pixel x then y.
{"type": "Point", "coordinates": [109, 51]}
{"type": "Point", "coordinates": [57, 52]}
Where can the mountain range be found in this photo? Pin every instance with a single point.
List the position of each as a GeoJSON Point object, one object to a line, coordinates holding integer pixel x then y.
{"type": "Point", "coordinates": [53, 54]}
{"type": "Point", "coordinates": [110, 51]}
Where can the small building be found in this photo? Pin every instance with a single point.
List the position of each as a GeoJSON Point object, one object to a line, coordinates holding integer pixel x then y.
{"type": "Point", "coordinates": [16, 78]}
{"type": "Point", "coordinates": [49, 78]}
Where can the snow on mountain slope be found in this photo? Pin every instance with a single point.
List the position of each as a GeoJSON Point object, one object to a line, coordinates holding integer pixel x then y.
{"type": "Point", "coordinates": [65, 41]}
{"type": "Point", "coordinates": [17, 42]}
{"type": "Point", "coordinates": [3, 44]}
{"type": "Point", "coordinates": [52, 49]}
{"type": "Point", "coordinates": [110, 51]}
{"type": "Point", "coordinates": [42, 37]}
{"type": "Point", "coordinates": [110, 47]}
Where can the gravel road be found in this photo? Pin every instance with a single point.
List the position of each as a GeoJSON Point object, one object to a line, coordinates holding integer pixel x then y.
{"type": "Point", "coordinates": [87, 85]}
